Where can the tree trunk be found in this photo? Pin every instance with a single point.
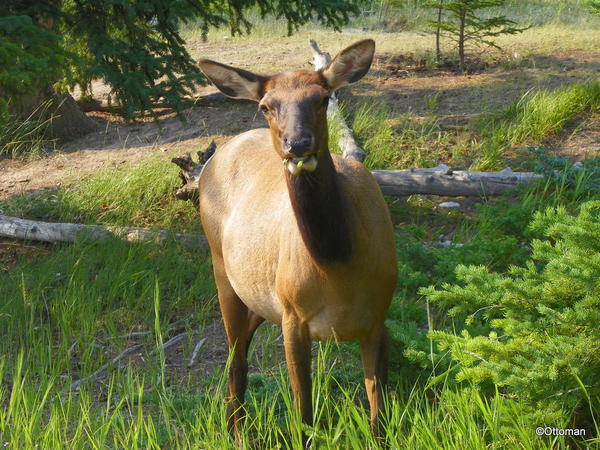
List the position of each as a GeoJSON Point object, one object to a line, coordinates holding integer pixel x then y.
{"type": "Point", "coordinates": [438, 30]}
{"type": "Point", "coordinates": [67, 120]}
{"type": "Point", "coordinates": [461, 42]}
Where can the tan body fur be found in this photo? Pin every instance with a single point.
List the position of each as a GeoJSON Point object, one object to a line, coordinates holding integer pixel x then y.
{"type": "Point", "coordinates": [247, 217]}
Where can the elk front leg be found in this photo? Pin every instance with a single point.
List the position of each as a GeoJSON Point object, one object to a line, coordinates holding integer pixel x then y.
{"type": "Point", "coordinates": [240, 324]}
{"type": "Point", "coordinates": [298, 357]}
{"type": "Point", "coordinates": [374, 355]}
{"type": "Point", "coordinates": [235, 320]}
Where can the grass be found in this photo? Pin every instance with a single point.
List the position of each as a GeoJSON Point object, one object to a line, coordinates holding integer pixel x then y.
{"type": "Point", "coordinates": [139, 406]}
{"type": "Point", "coordinates": [63, 314]}
{"type": "Point", "coordinates": [409, 141]}
{"type": "Point", "coordinates": [141, 196]}
{"type": "Point", "coordinates": [378, 138]}
{"type": "Point", "coordinates": [71, 308]}
{"type": "Point", "coordinates": [28, 137]}
{"type": "Point", "coordinates": [538, 114]}
{"type": "Point", "coordinates": [67, 309]}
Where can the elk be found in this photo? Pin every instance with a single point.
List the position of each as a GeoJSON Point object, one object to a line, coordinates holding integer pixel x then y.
{"type": "Point", "coordinates": [298, 236]}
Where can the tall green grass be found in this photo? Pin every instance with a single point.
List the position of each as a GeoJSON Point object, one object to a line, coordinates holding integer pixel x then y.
{"type": "Point", "coordinates": [537, 114]}
{"type": "Point", "coordinates": [81, 289]}
{"type": "Point", "coordinates": [65, 314]}
{"type": "Point", "coordinates": [136, 410]}
{"type": "Point", "coordinates": [25, 137]}
{"type": "Point", "coordinates": [410, 143]}
{"type": "Point", "coordinates": [140, 196]}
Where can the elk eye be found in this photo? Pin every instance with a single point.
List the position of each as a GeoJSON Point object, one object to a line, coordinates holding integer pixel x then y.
{"type": "Point", "coordinates": [263, 108]}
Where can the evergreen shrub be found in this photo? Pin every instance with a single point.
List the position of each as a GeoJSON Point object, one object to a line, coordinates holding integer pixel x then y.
{"type": "Point", "coordinates": [543, 341]}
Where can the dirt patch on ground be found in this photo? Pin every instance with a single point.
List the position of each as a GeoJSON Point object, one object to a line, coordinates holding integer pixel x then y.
{"type": "Point", "coordinates": [12, 251]}
{"type": "Point", "coordinates": [578, 140]}
{"type": "Point", "coordinates": [209, 361]}
{"type": "Point", "coordinates": [117, 143]}
{"type": "Point", "coordinates": [405, 83]}
{"type": "Point", "coordinates": [409, 86]}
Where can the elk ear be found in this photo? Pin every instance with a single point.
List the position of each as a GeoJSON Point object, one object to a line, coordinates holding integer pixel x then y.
{"type": "Point", "coordinates": [350, 65]}
{"type": "Point", "coordinates": [233, 82]}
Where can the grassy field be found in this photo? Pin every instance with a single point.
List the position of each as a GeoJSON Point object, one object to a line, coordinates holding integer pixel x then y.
{"type": "Point", "coordinates": [66, 310]}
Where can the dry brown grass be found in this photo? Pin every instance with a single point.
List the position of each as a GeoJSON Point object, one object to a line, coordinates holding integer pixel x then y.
{"type": "Point", "coordinates": [268, 53]}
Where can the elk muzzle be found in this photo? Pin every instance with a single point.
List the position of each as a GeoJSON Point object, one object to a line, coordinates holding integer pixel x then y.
{"type": "Point", "coordinates": [297, 165]}
{"type": "Point", "coordinates": [300, 153]}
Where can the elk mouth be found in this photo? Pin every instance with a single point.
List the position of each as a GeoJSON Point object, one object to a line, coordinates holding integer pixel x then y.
{"type": "Point", "coordinates": [296, 166]}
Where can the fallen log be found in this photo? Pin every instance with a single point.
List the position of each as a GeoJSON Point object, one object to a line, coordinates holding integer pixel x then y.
{"type": "Point", "coordinates": [33, 230]}
{"type": "Point", "coordinates": [439, 180]}
{"type": "Point", "coordinates": [443, 181]}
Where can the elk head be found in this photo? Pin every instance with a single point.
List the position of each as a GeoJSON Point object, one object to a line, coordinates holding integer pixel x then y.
{"type": "Point", "coordinates": [295, 103]}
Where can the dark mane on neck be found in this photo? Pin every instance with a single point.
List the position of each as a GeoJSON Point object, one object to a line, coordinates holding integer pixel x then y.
{"type": "Point", "coordinates": [321, 211]}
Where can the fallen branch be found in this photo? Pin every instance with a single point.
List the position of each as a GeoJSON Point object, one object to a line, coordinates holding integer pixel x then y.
{"type": "Point", "coordinates": [102, 370]}
{"type": "Point", "coordinates": [170, 343]}
{"type": "Point", "coordinates": [32, 230]}
{"type": "Point", "coordinates": [195, 352]}
{"type": "Point", "coordinates": [441, 180]}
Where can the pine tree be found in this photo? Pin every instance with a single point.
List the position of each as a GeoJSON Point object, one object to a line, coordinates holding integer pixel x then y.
{"type": "Point", "coordinates": [594, 6]}
{"type": "Point", "coordinates": [133, 45]}
{"type": "Point", "coordinates": [543, 338]}
{"type": "Point", "coordinates": [463, 24]}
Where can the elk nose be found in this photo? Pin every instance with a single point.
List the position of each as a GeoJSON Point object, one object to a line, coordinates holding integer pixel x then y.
{"type": "Point", "coordinates": [299, 147]}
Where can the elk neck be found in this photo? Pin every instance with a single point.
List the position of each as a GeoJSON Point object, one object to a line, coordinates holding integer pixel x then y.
{"type": "Point", "coordinates": [321, 210]}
